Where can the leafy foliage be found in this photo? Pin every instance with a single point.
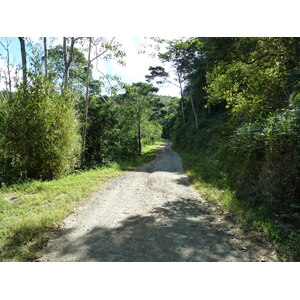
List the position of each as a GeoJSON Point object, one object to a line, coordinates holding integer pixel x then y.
{"type": "Point", "coordinates": [39, 132]}
{"type": "Point", "coordinates": [246, 95]}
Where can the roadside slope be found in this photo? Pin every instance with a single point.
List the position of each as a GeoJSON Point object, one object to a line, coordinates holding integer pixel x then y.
{"type": "Point", "coordinates": [153, 214]}
{"type": "Point", "coordinates": [31, 211]}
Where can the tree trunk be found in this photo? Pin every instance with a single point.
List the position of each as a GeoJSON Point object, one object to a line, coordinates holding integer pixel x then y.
{"type": "Point", "coordinates": [139, 127]}
{"type": "Point", "coordinates": [193, 108]}
{"type": "Point", "coordinates": [8, 80]}
{"type": "Point", "coordinates": [86, 109]}
{"type": "Point", "coordinates": [181, 99]}
{"type": "Point", "coordinates": [67, 59]}
{"type": "Point", "coordinates": [9, 77]}
{"type": "Point", "coordinates": [182, 104]}
{"type": "Point", "coordinates": [24, 61]}
{"type": "Point", "coordinates": [45, 57]}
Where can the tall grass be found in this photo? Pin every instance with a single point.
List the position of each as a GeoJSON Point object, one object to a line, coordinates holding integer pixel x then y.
{"type": "Point", "coordinates": [31, 212]}
{"type": "Point", "coordinates": [252, 171]}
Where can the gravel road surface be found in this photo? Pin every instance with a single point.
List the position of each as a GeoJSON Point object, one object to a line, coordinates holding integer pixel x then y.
{"type": "Point", "coordinates": [153, 214]}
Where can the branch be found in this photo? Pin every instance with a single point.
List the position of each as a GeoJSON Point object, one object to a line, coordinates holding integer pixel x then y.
{"type": "Point", "coordinates": [103, 51]}
{"type": "Point", "coordinates": [3, 46]}
{"type": "Point", "coordinates": [172, 83]}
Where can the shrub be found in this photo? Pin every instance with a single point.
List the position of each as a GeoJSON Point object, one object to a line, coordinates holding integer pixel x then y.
{"type": "Point", "coordinates": [39, 132]}
{"type": "Point", "coordinates": [266, 153]}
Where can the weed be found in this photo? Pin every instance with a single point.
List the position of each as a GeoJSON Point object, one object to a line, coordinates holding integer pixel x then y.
{"type": "Point", "coordinates": [31, 212]}
{"type": "Point", "coordinates": [207, 176]}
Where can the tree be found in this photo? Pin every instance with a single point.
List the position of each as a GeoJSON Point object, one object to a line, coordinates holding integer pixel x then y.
{"type": "Point", "coordinates": [183, 55]}
{"type": "Point", "coordinates": [77, 69]}
{"type": "Point", "coordinates": [24, 60]}
{"type": "Point", "coordinates": [68, 57]}
{"type": "Point", "coordinates": [103, 49]}
{"type": "Point", "coordinates": [250, 75]}
{"type": "Point", "coordinates": [86, 107]}
{"type": "Point", "coordinates": [8, 81]}
{"type": "Point", "coordinates": [141, 96]}
{"type": "Point", "coordinates": [160, 72]}
{"type": "Point", "coordinates": [45, 56]}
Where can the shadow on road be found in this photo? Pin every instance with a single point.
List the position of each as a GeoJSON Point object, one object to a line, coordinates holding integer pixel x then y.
{"type": "Point", "coordinates": [169, 233]}
{"type": "Point", "coordinates": [179, 230]}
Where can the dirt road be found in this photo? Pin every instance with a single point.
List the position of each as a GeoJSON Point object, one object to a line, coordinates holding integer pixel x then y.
{"type": "Point", "coordinates": [152, 214]}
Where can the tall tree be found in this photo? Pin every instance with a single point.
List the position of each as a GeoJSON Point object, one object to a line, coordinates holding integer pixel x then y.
{"type": "Point", "coordinates": [141, 95]}
{"type": "Point", "coordinates": [103, 48]}
{"type": "Point", "coordinates": [193, 108]}
{"type": "Point", "coordinates": [251, 76]}
{"type": "Point", "coordinates": [68, 58]}
{"type": "Point", "coordinates": [184, 56]}
{"type": "Point", "coordinates": [56, 66]}
{"type": "Point", "coordinates": [6, 48]}
{"type": "Point", "coordinates": [160, 73]}
{"type": "Point", "coordinates": [86, 106]}
{"type": "Point", "coordinates": [24, 60]}
{"type": "Point", "coordinates": [45, 56]}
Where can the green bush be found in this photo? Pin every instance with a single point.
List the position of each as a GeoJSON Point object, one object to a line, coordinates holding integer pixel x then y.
{"type": "Point", "coordinates": [151, 132]}
{"type": "Point", "coordinates": [265, 154]}
{"type": "Point", "coordinates": [39, 133]}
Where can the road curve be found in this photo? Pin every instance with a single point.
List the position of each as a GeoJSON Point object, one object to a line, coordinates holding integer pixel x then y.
{"type": "Point", "coordinates": [153, 214]}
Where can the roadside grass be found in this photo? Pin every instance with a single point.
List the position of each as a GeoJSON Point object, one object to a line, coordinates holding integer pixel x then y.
{"type": "Point", "coordinates": [31, 212]}
{"type": "Point", "coordinates": [213, 185]}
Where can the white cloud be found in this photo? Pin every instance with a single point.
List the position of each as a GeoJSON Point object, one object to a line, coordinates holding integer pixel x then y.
{"type": "Point", "coordinates": [136, 65]}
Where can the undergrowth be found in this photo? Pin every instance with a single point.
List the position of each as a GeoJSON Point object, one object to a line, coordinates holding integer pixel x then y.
{"type": "Point", "coordinates": [213, 186]}
{"type": "Point", "coordinates": [252, 173]}
{"type": "Point", "coordinates": [30, 212]}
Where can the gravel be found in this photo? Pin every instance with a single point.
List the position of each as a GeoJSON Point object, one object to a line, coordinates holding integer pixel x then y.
{"type": "Point", "coordinates": [153, 214]}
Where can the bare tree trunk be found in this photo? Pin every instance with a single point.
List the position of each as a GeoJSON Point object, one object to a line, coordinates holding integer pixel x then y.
{"type": "Point", "coordinates": [86, 110]}
{"type": "Point", "coordinates": [9, 77]}
{"type": "Point", "coordinates": [181, 99]}
{"type": "Point", "coordinates": [24, 61]}
{"type": "Point", "coordinates": [67, 59]}
{"type": "Point", "coordinates": [193, 108]}
{"type": "Point", "coordinates": [66, 71]}
{"type": "Point", "coordinates": [139, 127]}
{"type": "Point", "coordinates": [45, 57]}
{"type": "Point", "coordinates": [182, 105]}
{"type": "Point", "coordinates": [8, 66]}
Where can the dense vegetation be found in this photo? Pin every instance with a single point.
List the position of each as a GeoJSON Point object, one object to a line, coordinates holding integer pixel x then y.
{"type": "Point", "coordinates": [238, 128]}
{"type": "Point", "coordinates": [63, 133]}
{"type": "Point", "coordinates": [58, 118]}
{"type": "Point", "coordinates": [236, 123]}
{"type": "Point", "coordinates": [32, 211]}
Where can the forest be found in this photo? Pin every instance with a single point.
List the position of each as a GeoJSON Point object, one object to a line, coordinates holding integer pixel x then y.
{"type": "Point", "coordinates": [237, 128]}
{"type": "Point", "coordinates": [236, 123]}
{"type": "Point", "coordinates": [57, 119]}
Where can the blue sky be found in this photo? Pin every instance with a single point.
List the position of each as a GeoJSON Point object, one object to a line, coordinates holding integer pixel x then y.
{"type": "Point", "coordinates": [136, 64]}
{"type": "Point", "coordinates": [14, 49]}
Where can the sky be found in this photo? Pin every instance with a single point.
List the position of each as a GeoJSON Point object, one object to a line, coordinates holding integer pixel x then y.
{"type": "Point", "coordinates": [134, 71]}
